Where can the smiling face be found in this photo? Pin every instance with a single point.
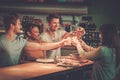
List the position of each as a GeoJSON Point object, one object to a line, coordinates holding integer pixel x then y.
{"type": "Point", "coordinates": [54, 24]}
{"type": "Point", "coordinates": [33, 33]}
{"type": "Point", "coordinates": [17, 26]}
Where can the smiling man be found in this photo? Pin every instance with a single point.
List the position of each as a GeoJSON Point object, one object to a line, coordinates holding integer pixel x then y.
{"type": "Point", "coordinates": [53, 34]}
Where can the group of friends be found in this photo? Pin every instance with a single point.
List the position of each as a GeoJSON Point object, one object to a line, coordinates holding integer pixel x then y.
{"type": "Point", "coordinates": [13, 48]}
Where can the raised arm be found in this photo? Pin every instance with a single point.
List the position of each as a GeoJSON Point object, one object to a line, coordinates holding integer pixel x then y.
{"type": "Point", "coordinates": [85, 46]}
{"type": "Point", "coordinates": [45, 46]}
{"type": "Point", "coordinates": [83, 54]}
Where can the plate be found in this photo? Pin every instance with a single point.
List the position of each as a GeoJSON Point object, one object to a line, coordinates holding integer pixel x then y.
{"type": "Point", "coordinates": [45, 60]}
{"type": "Point", "coordinates": [68, 65]}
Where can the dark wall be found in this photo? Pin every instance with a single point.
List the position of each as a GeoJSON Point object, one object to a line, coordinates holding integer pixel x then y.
{"type": "Point", "coordinates": [105, 11]}
{"type": "Point", "coordinates": [102, 11]}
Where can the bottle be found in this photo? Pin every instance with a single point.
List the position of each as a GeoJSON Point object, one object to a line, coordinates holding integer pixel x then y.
{"type": "Point", "coordinates": [56, 59]}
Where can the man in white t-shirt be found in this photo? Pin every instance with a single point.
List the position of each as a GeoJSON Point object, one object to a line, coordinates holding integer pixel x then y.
{"type": "Point", "coordinates": [53, 34]}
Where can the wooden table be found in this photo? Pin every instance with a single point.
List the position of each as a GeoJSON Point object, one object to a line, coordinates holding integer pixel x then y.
{"type": "Point", "coordinates": [40, 71]}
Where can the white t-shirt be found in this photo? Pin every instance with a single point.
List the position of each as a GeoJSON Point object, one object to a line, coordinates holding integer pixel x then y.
{"type": "Point", "coordinates": [45, 36]}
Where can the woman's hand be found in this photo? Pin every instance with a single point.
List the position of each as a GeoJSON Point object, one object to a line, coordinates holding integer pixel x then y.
{"type": "Point", "coordinates": [82, 43]}
{"type": "Point", "coordinates": [80, 32]}
{"type": "Point", "coordinates": [75, 41]}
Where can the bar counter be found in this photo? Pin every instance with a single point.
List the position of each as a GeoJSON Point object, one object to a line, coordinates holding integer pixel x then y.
{"type": "Point", "coordinates": [44, 71]}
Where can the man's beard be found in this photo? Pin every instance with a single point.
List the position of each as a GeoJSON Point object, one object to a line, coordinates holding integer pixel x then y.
{"type": "Point", "coordinates": [53, 30]}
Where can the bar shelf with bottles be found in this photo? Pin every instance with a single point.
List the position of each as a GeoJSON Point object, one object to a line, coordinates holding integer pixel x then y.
{"type": "Point", "coordinates": [92, 36]}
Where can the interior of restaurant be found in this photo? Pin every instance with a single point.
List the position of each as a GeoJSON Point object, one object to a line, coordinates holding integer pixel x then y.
{"type": "Point", "coordinates": [89, 14]}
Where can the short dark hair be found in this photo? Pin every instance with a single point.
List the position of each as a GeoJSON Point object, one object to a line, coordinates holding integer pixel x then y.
{"type": "Point", "coordinates": [51, 16]}
{"type": "Point", "coordinates": [11, 18]}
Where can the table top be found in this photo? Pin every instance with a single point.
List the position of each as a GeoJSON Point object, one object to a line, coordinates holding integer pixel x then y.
{"type": "Point", "coordinates": [32, 69]}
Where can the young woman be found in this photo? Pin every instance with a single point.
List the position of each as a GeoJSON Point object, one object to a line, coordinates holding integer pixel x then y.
{"type": "Point", "coordinates": [106, 57]}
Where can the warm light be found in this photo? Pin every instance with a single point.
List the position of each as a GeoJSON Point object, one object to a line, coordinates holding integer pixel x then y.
{"type": "Point", "coordinates": [46, 66]}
